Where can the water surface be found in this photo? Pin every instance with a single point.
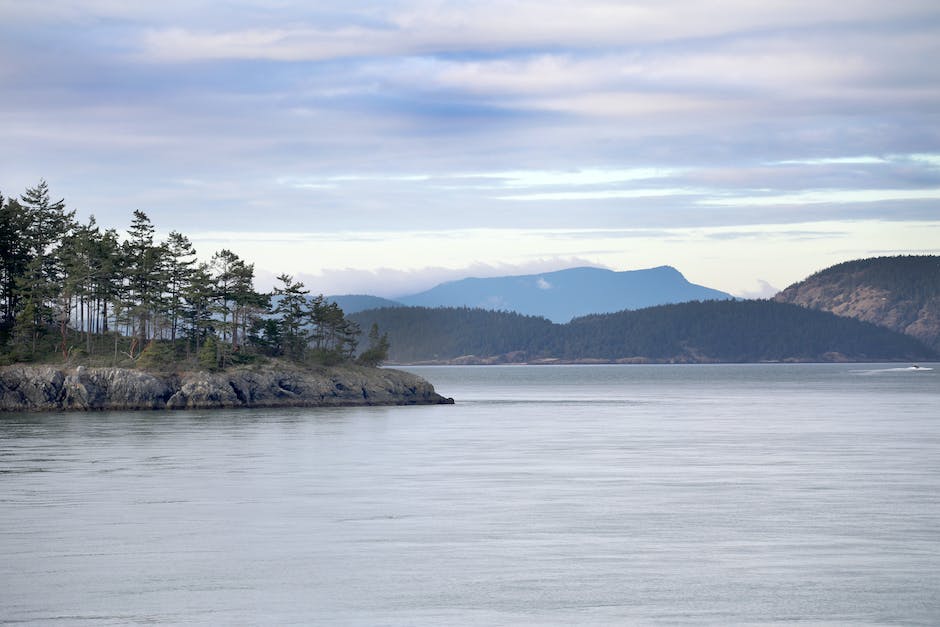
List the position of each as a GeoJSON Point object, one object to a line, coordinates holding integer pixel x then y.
{"type": "Point", "coordinates": [798, 494]}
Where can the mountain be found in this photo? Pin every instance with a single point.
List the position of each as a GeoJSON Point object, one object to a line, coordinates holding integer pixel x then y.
{"type": "Point", "coordinates": [692, 332]}
{"type": "Point", "coordinates": [566, 294]}
{"type": "Point", "coordinates": [352, 303]}
{"type": "Point", "coordinates": [901, 293]}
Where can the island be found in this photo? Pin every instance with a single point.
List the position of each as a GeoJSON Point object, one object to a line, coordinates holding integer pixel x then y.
{"type": "Point", "coordinates": [94, 320]}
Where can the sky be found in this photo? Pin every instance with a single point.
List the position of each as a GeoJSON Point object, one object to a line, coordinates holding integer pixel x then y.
{"type": "Point", "coordinates": [384, 147]}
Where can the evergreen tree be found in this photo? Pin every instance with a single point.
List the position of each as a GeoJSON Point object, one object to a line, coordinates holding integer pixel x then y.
{"type": "Point", "coordinates": [180, 261]}
{"type": "Point", "coordinates": [49, 221]}
{"type": "Point", "coordinates": [14, 256]}
{"type": "Point", "coordinates": [107, 266]}
{"type": "Point", "coordinates": [335, 338]}
{"type": "Point", "coordinates": [377, 351]}
{"type": "Point", "coordinates": [144, 271]}
{"type": "Point", "coordinates": [70, 282]}
{"type": "Point", "coordinates": [35, 294]}
{"type": "Point", "coordinates": [41, 225]}
{"type": "Point", "coordinates": [236, 299]}
{"type": "Point", "coordinates": [198, 294]}
{"type": "Point", "coordinates": [290, 311]}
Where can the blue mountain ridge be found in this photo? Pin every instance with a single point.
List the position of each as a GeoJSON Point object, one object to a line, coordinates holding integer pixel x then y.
{"type": "Point", "coordinates": [558, 296]}
{"type": "Point", "coordinates": [352, 303]}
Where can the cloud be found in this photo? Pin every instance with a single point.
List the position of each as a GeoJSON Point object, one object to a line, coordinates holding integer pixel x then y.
{"type": "Point", "coordinates": [826, 196]}
{"type": "Point", "coordinates": [604, 194]}
{"type": "Point", "coordinates": [835, 160]}
{"type": "Point", "coordinates": [273, 44]}
{"type": "Point", "coordinates": [587, 176]}
{"type": "Point", "coordinates": [763, 290]}
{"type": "Point", "coordinates": [932, 161]}
{"type": "Point", "coordinates": [542, 284]}
{"type": "Point", "coordinates": [435, 133]}
{"type": "Point", "coordinates": [402, 28]}
{"type": "Point", "coordinates": [733, 234]}
{"type": "Point", "coordinates": [396, 283]}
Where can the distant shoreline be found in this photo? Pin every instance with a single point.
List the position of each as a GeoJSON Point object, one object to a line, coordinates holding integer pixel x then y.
{"type": "Point", "coordinates": [496, 361]}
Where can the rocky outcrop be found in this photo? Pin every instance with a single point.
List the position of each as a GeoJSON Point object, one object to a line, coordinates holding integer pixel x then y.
{"type": "Point", "coordinates": [899, 293]}
{"type": "Point", "coordinates": [47, 388]}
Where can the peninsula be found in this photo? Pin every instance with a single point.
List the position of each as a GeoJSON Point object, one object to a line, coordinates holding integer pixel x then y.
{"type": "Point", "coordinates": [26, 387]}
{"type": "Point", "coordinates": [91, 320]}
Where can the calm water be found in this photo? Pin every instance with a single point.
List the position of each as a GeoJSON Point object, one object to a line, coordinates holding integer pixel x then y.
{"type": "Point", "coordinates": [804, 494]}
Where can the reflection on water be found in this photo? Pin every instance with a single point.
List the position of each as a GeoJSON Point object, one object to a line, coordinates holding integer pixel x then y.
{"type": "Point", "coordinates": [670, 494]}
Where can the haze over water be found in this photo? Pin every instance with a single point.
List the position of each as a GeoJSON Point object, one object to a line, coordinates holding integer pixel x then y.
{"type": "Point", "coordinates": [546, 495]}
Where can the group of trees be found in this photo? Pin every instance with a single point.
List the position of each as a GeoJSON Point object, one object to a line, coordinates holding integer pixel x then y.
{"type": "Point", "coordinates": [87, 290]}
{"type": "Point", "coordinates": [719, 330]}
{"type": "Point", "coordinates": [906, 277]}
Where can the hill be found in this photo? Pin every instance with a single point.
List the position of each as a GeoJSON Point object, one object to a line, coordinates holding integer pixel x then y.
{"type": "Point", "coordinates": [566, 294]}
{"type": "Point", "coordinates": [351, 303]}
{"type": "Point", "coordinates": [900, 293]}
{"type": "Point", "coordinates": [694, 332]}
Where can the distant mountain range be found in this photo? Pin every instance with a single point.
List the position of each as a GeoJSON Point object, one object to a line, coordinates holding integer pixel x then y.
{"type": "Point", "coordinates": [353, 303]}
{"type": "Point", "coordinates": [558, 296]}
{"type": "Point", "coordinates": [888, 310]}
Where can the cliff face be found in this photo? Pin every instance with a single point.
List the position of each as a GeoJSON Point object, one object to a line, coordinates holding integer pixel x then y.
{"type": "Point", "coordinates": [47, 388]}
{"type": "Point", "coordinates": [900, 293]}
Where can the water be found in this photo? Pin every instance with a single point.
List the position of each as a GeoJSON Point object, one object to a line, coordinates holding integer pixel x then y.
{"type": "Point", "coordinates": [759, 494]}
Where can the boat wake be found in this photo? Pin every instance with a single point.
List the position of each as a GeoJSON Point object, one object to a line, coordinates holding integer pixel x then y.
{"type": "Point", "coordinates": [884, 370]}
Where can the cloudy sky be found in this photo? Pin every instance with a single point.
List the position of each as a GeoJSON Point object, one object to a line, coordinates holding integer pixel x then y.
{"type": "Point", "coordinates": [381, 147]}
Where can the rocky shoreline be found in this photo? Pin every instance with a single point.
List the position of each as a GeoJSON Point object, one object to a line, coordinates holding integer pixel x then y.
{"type": "Point", "coordinates": [49, 388]}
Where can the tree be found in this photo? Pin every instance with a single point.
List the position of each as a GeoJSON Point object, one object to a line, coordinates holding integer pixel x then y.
{"type": "Point", "coordinates": [14, 256]}
{"type": "Point", "coordinates": [108, 278]}
{"type": "Point", "coordinates": [290, 310]}
{"type": "Point", "coordinates": [35, 293]}
{"type": "Point", "coordinates": [49, 221]}
{"type": "Point", "coordinates": [68, 281]}
{"type": "Point", "coordinates": [265, 333]}
{"type": "Point", "coordinates": [236, 299]}
{"type": "Point", "coordinates": [145, 277]}
{"type": "Point", "coordinates": [180, 261]}
{"type": "Point", "coordinates": [335, 338]}
{"type": "Point", "coordinates": [377, 352]}
{"type": "Point", "coordinates": [198, 294]}
{"type": "Point", "coordinates": [32, 231]}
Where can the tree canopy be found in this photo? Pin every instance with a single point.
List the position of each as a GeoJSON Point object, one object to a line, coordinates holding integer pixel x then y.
{"type": "Point", "coordinates": [81, 291]}
{"type": "Point", "coordinates": [697, 331]}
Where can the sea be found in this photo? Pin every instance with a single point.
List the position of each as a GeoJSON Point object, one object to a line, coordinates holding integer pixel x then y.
{"type": "Point", "coordinates": [760, 494]}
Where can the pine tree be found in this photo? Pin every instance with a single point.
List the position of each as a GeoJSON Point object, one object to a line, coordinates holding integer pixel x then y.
{"type": "Point", "coordinates": [107, 261]}
{"type": "Point", "coordinates": [38, 227]}
{"type": "Point", "coordinates": [14, 256]}
{"type": "Point", "coordinates": [49, 221]}
{"type": "Point", "coordinates": [180, 261]}
{"type": "Point", "coordinates": [290, 310]}
{"type": "Point", "coordinates": [144, 270]}
{"type": "Point", "coordinates": [377, 351]}
{"type": "Point", "coordinates": [236, 299]}
{"type": "Point", "coordinates": [198, 294]}
{"type": "Point", "coordinates": [335, 338]}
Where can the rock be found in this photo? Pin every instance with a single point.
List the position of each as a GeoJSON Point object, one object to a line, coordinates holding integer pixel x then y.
{"type": "Point", "coordinates": [46, 388]}
{"type": "Point", "coordinates": [34, 387]}
{"type": "Point", "coordinates": [901, 293]}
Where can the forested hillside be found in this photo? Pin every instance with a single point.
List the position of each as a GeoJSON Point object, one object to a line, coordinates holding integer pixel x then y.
{"type": "Point", "coordinates": [86, 294]}
{"type": "Point", "coordinates": [422, 334]}
{"type": "Point", "coordinates": [901, 293]}
{"type": "Point", "coordinates": [710, 331]}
